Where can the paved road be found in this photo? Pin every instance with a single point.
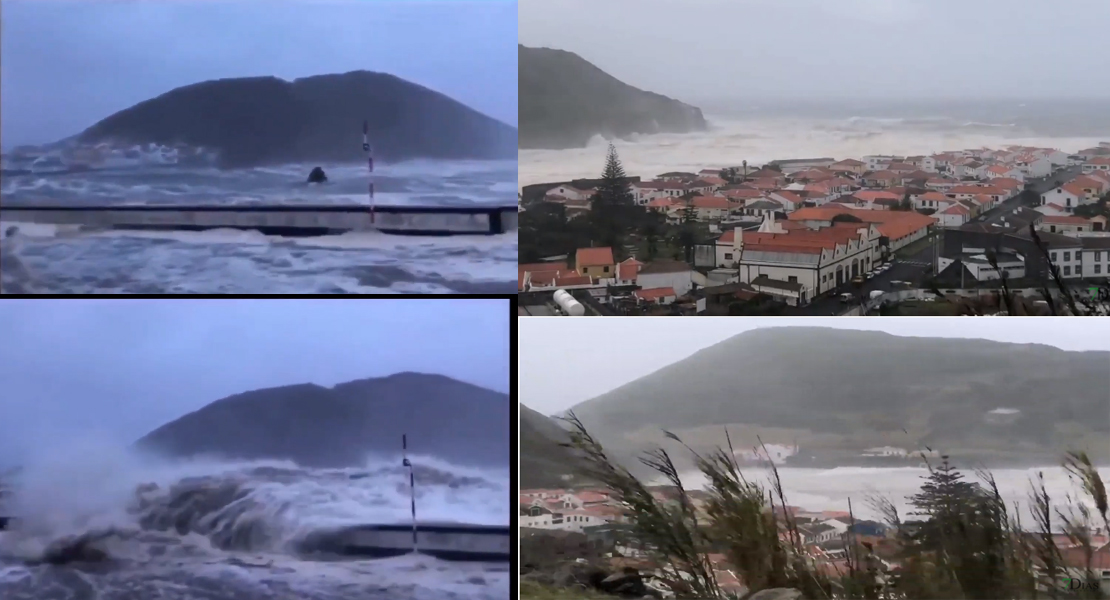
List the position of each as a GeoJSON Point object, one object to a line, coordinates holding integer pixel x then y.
{"type": "Point", "coordinates": [917, 267]}
{"type": "Point", "coordinates": [1040, 186]}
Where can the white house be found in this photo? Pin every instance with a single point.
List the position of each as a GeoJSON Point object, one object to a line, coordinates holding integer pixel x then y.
{"type": "Point", "coordinates": [953, 216]}
{"type": "Point", "coordinates": [885, 451]}
{"type": "Point", "coordinates": [878, 162]}
{"type": "Point", "coordinates": [1095, 256]}
{"type": "Point", "coordinates": [663, 295]}
{"type": "Point", "coordinates": [1067, 225]}
{"type": "Point", "coordinates": [789, 200]}
{"type": "Point", "coordinates": [1069, 259]}
{"type": "Point", "coordinates": [1033, 166]}
{"type": "Point", "coordinates": [1068, 196]}
{"type": "Point", "coordinates": [1098, 163]}
{"type": "Point", "coordinates": [566, 192]}
{"type": "Point", "coordinates": [646, 191]}
{"type": "Point", "coordinates": [673, 274]}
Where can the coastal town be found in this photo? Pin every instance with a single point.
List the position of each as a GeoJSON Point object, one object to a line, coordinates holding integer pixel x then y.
{"type": "Point", "coordinates": [829, 236]}
{"type": "Point", "coordinates": [824, 536]}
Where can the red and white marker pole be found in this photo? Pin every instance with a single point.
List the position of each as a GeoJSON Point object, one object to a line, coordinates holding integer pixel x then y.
{"type": "Point", "coordinates": [369, 163]}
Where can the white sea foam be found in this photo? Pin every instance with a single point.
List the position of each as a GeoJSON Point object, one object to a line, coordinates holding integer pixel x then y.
{"type": "Point", "coordinates": [830, 489]}
{"type": "Point", "coordinates": [88, 489]}
{"type": "Point", "coordinates": [731, 141]}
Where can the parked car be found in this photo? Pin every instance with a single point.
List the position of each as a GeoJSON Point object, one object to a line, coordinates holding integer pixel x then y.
{"type": "Point", "coordinates": [857, 279]}
{"type": "Point", "coordinates": [847, 297]}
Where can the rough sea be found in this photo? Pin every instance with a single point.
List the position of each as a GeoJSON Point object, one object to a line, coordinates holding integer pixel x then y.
{"type": "Point", "coordinates": [759, 131]}
{"type": "Point", "coordinates": [61, 259]}
{"type": "Point", "coordinates": [236, 531]}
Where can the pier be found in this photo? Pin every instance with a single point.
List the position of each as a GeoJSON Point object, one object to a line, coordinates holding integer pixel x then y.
{"type": "Point", "coordinates": [290, 220]}
{"type": "Point", "coordinates": [447, 541]}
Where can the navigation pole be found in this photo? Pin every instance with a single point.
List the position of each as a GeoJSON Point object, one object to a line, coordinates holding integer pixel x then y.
{"type": "Point", "coordinates": [369, 163]}
{"type": "Point", "coordinates": [412, 485]}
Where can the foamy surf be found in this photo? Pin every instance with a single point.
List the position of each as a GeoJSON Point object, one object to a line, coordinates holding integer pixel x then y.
{"type": "Point", "coordinates": [50, 259]}
{"type": "Point", "coordinates": [216, 530]}
{"type": "Point", "coordinates": [732, 140]}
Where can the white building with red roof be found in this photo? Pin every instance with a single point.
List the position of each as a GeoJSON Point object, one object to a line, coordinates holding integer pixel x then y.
{"type": "Point", "coordinates": [646, 191]}
{"type": "Point", "coordinates": [1067, 196]}
{"type": "Point", "coordinates": [1098, 163]}
{"type": "Point", "coordinates": [794, 262]}
{"type": "Point", "coordinates": [663, 295]}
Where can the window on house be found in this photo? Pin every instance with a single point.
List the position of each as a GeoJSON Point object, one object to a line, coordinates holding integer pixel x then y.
{"type": "Point", "coordinates": [1079, 271]}
{"type": "Point", "coordinates": [728, 256]}
{"type": "Point", "coordinates": [1098, 269]}
{"type": "Point", "coordinates": [1098, 256]}
{"type": "Point", "coordinates": [1052, 229]}
{"type": "Point", "coordinates": [792, 279]}
{"type": "Point", "coordinates": [1067, 271]}
{"type": "Point", "coordinates": [1067, 256]}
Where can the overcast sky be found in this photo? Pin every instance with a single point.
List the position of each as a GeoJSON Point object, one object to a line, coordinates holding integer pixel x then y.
{"type": "Point", "coordinates": [705, 49]}
{"type": "Point", "coordinates": [116, 369]}
{"type": "Point", "coordinates": [564, 361]}
{"type": "Point", "coordinates": [67, 64]}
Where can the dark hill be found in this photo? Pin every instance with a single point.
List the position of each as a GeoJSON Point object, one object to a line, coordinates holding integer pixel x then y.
{"type": "Point", "coordinates": [265, 120]}
{"type": "Point", "coordinates": [565, 100]}
{"type": "Point", "coordinates": [839, 390]}
{"type": "Point", "coordinates": [544, 463]}
{"type": "Point", "coordinates": [336, 427]}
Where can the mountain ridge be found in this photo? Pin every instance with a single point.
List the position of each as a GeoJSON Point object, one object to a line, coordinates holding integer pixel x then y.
{"type": "Point", "coordinates": [252, 121]}
{"type": "Point", "coordinates": [839, 389]}
{"type": "Point", "coordinates": [340, 426]}
{"type": "Point", "coordinates": [565, 100]}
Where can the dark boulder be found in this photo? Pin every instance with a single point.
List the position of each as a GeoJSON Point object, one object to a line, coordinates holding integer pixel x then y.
{"type": "Point", "coordinates": [317, 176]}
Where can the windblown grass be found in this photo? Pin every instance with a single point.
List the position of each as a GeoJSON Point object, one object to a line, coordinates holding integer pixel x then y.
{"type": "Point", "coordinates": [969, 545]}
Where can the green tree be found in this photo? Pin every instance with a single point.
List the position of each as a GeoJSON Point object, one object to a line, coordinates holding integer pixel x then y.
{"type": "Point", "coordinates": [651, 232]}
{"type": "Point", "coordinates": [689, 214]}
{"type": "Point", "coordinates": [906, 204]}
{"type": "Point", "coordinates": [613, 205]}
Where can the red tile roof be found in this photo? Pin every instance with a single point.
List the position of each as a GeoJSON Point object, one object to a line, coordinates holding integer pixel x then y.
{"type": "Point", "coordinates": [593, 257]}
{"type": "Point", "coordinates": [1067, 220]}
{"type": "Point", "coordinates": [873, 195]}
{"type": "Point", "coordinates": [664, 203]}
{"type": "Point", "coordinates": [1074, 189]}
{"type": "Point", "coordinates": [891, 223]}
{"type": "Point", "coordinates": [711, 202]}
{"type": "Point", "coordinates": [654, 293]}
{"type": "Point", "coordinates": [628, 271]}
{"type": "Point", "coordinates": [559, 266]}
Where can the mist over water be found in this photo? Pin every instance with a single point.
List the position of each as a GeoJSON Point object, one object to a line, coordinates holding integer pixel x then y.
{"type": "Point", "coordinates": [761, 130]}
{"type": "Point", "coordinates": [227, 529]}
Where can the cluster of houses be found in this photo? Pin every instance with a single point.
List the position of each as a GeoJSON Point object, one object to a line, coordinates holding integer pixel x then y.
{"type": "Point", "coordinates": [824, 536]}
{"type": "Point", "coordinates": [797, 229]}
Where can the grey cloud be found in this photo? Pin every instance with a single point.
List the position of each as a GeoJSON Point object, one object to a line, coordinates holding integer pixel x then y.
{"type": "Point", "coordinates": [712, 49]}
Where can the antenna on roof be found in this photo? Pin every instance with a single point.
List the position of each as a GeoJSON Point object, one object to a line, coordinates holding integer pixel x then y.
{"type": "Point", "coordinates": [412, 484]}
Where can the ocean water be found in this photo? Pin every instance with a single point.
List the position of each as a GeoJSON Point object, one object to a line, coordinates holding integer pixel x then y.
{"type": "Point", "coordinates": [760, 131]}
{"type": "Point", "coordinates": [237, 531]}
{"type": "Point", "coordinates": [51, 259]}
{"type": "Point", "coordinates": [830, 489]}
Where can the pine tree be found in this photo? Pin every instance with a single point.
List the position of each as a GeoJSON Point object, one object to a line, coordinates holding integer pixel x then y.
{"type": "Point", "coordinates": [944, 492]}
{"type": "Point", "coordinates": [612, 204]}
